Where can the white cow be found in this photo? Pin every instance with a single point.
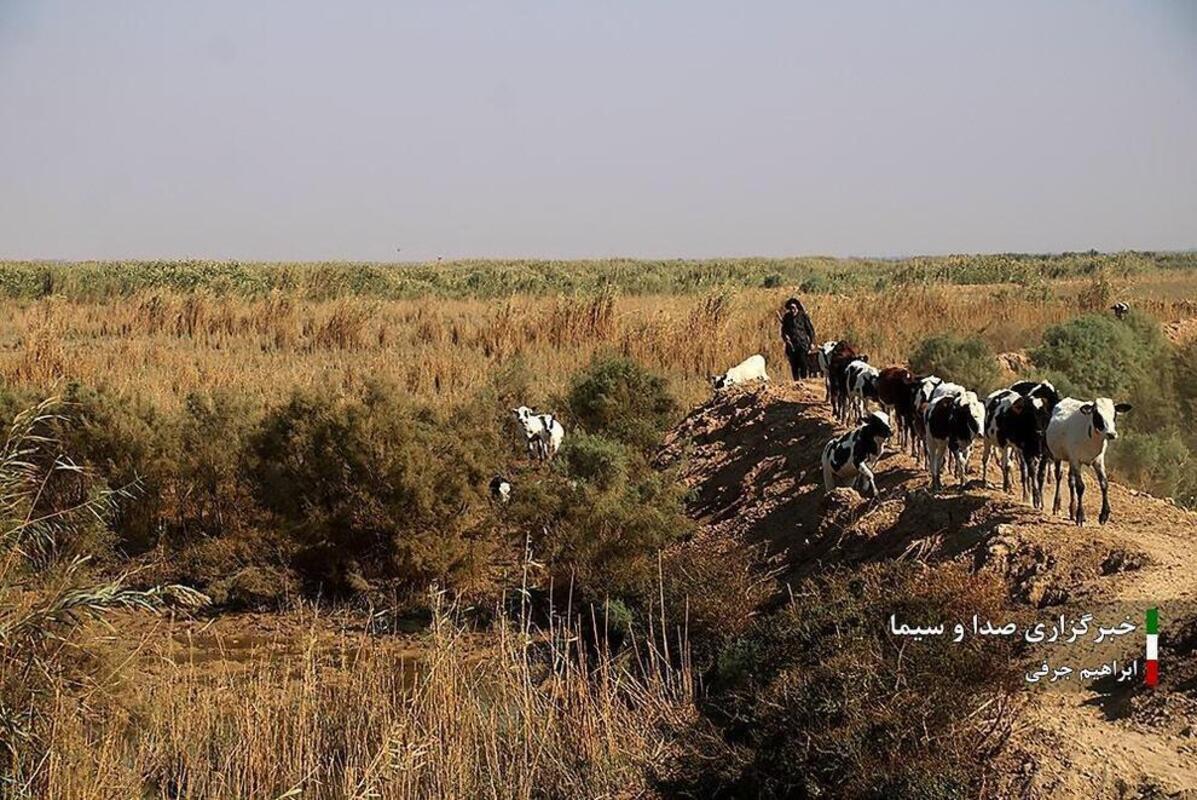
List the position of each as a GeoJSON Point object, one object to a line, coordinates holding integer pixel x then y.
{"type": "Point", "coordinates": [750, 369]}
{"type": "Point", "coordinates": [1078, 432]}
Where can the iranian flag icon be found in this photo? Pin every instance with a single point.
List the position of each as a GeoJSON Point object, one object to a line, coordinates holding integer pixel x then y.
{"type": "Point", "coordinates": [1153, 647]}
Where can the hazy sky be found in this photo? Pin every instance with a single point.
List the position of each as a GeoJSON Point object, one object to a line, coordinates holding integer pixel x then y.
{"type": "Point", "coordinates": [546, 128]}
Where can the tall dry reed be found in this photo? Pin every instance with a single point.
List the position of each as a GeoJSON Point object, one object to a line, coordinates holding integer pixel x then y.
{"type": "Point", "coordinates": [531, 712]}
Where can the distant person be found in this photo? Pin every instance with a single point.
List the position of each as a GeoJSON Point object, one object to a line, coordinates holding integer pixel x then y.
{"type": "Point", "coordinates": [798, 334]}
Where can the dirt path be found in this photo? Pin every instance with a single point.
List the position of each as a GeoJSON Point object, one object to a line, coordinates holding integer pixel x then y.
{"type": "Point", "coordinates": [752, 458]}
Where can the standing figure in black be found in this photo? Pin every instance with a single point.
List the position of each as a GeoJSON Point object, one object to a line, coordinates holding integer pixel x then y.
{"type": "Point", "coordinates": [798, 334]}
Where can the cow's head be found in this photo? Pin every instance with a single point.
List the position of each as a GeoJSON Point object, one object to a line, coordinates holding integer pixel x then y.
{"type": "Point", "coordinates": [974, 412]}
{"type": "Point", "coordinates": [877, 422]}
{"type": "Point", "coordinates": [1102, 414]}
{"type": "Point", "coordinates": [718, 382]}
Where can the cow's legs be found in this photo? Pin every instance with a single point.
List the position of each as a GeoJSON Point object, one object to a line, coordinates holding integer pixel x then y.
{"type": "Point", "coordinates": [1056, 501]}
{"type": "Point", "coordinates": [828, 476]}
{"type": "Point", "coordinates": [866, 479]}
{"type": "Point", "coordinates": [1075, 469]}
{"type": "Point", "coordinates": [1099, 467]}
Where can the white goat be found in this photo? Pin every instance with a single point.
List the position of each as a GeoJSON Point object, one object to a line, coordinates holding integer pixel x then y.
{"type": "Point", "coordinates": [750, 369]}
{"type": "Point", "coordinates": [543, 432]}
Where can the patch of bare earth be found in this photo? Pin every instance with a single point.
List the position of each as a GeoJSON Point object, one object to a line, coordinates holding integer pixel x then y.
{"type": "Point", "coordinates": [751, 458]}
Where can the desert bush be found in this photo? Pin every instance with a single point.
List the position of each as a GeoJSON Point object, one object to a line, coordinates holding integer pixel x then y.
{"type": "Point", "coordinates": [828, 704]}
{"type": "Point", "coordinates": [123, 441]}
{"type": "Point", "coordinates": [1128, 360]}
{"type": "Point", "coordinates": [620, 399]}
{"type": "Point", "coordinates": [209, 492]}
{"type": "Point", "coordinates": [966, 360]}
{"type": "Point", "coordinates": [1185, 365]}
{"type": "Point", "coordinates": [376, 480]}
{"type": "Point", "coordinates": [603, 542]}
{"type": "Point", "coordinates": [1158, 462]}
{"type": "Point", "coordinates": [595, 459]}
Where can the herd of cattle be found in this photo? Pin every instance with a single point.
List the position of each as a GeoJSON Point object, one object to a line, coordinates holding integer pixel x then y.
{"type": "Point", "coordinates": [937, 421]}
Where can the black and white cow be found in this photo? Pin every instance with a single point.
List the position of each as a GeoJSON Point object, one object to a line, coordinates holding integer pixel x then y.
{"type": "Point", "coordinates": [861, 379]}
{"type": "Point", "coordinates": [953, 421]}
{"type": "Point", "coordinates": [921, 391]}
{"type": "Point", "coordinates": [543, 433]}
{"type": "Point", "coordinates": [1016, 418]}
{"type": "Point", "coordinates": [1120, 310]}
{"type": "Point", "coordinates": [855, 453]}
{"type": "Point", "coordinates": [1078, 433]}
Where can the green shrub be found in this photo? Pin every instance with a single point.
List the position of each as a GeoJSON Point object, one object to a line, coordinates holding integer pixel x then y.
{"type": "Point", "coordinates": [212, 497]}
{"type": "Point", "coordinates": [128, 444]}
{"type": "Point", "coordinates": [1127, 360]}
{"type": "Point", "coordinates": [375, 481]}
{"type": "Point", "coordinates": [620, 399]}
{"type": "Point", "coordinates": [1185, 365]}
{"type": "Point", "coordinates": [1158, 462]}
{"type": "Point", "coordinates": [602, 542]}
{"type": "Point", "coordinates": [966, 360]}
{"type": "Point", "coordinates": [596, 460]}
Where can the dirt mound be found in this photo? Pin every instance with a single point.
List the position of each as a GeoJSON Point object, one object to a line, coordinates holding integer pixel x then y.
{"type": "Point", "coordinates": [1015, 362]}
{"type": "Point", "coordinates": [751, 458]}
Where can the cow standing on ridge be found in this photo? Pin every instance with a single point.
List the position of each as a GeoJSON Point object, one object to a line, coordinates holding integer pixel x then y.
{"type": "Point", "coordinates": [1078, 433]}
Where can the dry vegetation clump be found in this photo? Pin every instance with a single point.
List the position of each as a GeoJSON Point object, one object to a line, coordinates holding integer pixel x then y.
{"type": "Point", "coordinates": [532, 713]}
{"type": "Point", "coordinates": [818, 700]}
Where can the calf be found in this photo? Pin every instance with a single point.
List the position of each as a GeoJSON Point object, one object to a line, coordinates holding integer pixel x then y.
{"type": "Point", "coordinates": [855, 453]}
{"type": "Point", "coordinates": [1120, 310]}
{"type": "Point", "coordinates": [920, 394]}
{"type": "Point", "coordinates": [750, 369]}
{"type": "Point", "coordinates": [1078, 432]}
{"type": "Point", "coordinates": [895, 392]}
{"type": "Point", "coordinates": [953, 421]}
{"type": "Point", "coordinates": [500, 489]}
{"type": "Point", "coordinates": [823, 354]}
{"type": "Point", "coordinates": [543, 432]}
{"type": "Point", "coordinates": [841, 356]}
{"type": "Point", "coordinates": [861, 381]}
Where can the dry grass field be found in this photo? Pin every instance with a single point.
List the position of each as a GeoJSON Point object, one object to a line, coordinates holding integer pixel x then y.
{"type": "Point", "coordinates": [309, 447]}
{"type": "Point", "coordinates": [162, 344]}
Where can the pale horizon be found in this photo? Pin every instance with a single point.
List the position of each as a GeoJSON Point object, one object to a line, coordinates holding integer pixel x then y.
{"type": "Point", "coordinates": [395, 133]}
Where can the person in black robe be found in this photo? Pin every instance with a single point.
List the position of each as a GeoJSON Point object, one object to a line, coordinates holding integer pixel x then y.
{"type": "Point", "coordinates": [798, 334]}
